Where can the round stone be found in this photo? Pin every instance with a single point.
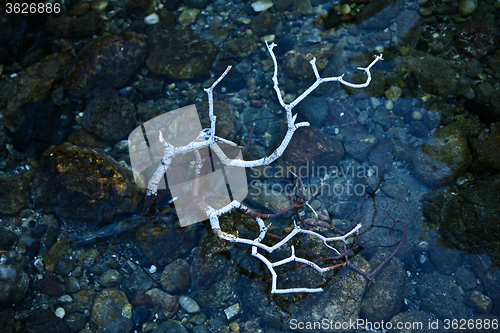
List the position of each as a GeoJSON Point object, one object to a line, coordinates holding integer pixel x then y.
{"type": "Point", "coordinates": [152, 19]}
{"type": "Point", "coordinates": [188, 304]}
{"type": "Point", "coordinates": [416, 115]}
{"type": "Point", "coordinates": [345, 9]}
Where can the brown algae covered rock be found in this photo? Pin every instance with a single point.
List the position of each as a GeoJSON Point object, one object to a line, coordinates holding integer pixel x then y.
{"type": "Point", "coordinates": [84, 183]}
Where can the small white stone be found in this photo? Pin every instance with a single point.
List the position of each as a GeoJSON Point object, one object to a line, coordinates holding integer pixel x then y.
{"type": "Point", "coordinates": [60, 313]}
{"type": "Point", "coordinates": [152, 269]}
{"type": "Point", "coordinates": [389, 105]}
{"type": "Point", "coordinates": [189, 304]}
{"type": "Point", "coordinates": [151, 19]}
{"type": "Point", "coordinates": [262, 5]}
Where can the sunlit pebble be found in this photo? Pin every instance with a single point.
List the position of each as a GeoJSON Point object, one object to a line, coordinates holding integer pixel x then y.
{"type": "Point", "coordinates": [416, 115]}
{"type": "Point", "coordinates": [152, 269]}
{"type": "Point", "coordinates": [151, 19]}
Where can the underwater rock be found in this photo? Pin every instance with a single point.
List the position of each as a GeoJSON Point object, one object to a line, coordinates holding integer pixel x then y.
{"type": "Point", "coordinates": [477, 40]}
{"type": "Point", "coordinates": [165, 304]}
{"type": "Point", "coordinates": [165, 48]}
{"type": "Point", "coordinates": [296, 63]}
{"type": "Point", "coordinates": [14, 192]}
{"type": "Point", "coordinates": [175, 277]}
{"type": "Point", "coordinates": [33, 85]}
{"type": "Point", "coordinates": [486, 151]}
{"type": "Point", "coordinates": [239, 48]}
{"type": "Point", "coordinates": [65, 26]}
{"type": "Point", "coordinates": [385, 297]}
{"type": "Point", "coordinates": [443, 157]}
{"type": "Point", "coordinates": [434, 75]}
{"type": "Point", "coordinates": [44, 321]}
{"type": "Point", "coordinates": [105, 62]}
{"type": "Point", "coordinates": [14, 282]}
{"type": "Point", "coordinates": [264, 24]}
{"type": "Point", "coordinates": [85, 183]}
{"type": "Point", "coordinates": [359, 145]}
{"type": "Point", "coordinates": [109, 304]}
{"type": "Point", "coordinates": [109, 116]}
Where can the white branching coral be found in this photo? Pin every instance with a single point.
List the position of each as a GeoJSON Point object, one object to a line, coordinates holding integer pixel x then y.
{"type": "Point", "coordinates": [207, 138]}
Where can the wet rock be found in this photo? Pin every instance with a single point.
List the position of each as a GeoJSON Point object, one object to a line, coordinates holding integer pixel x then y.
{"type": "Point", "coordinates": [377, 15]}
{"type": "Point", "coordinates": [164, 50]}
{"type": "Point", "coordinates": [118, 325]}
{"type": "Point", "coordinates": [466, 278]}
{"type": "Point", "coordinates": [140, 8]}
{"type": "Point", "coordinates": [175, 277]}
{"type": "Point", "coordinates": [343, 117]}
{"type": "Point", "coordinates": [241, 48]}
{"type": "Point", "coordinates": [109, 304]}
{"type": "Point", "coordinates": [188, 304]}
{"type": "Point", "coordinates": [82, 301]}
{"type": "Point", "coordinates": [467, 7]}
{"type": "Point", "coordinates": [14, 282]}
{"type": "Point", "coordinates": [385, 298]}
{"type": "Point", "coordinates": [72, 285]}
{"type": "Point", "coordinates": [138, 283]}
{"type": "Point", "coordinates": [170, 326]}
{"type": "Point", "coordinates": [443, 157]}
{"type": "Point", "coordinates": [313, 110]}
{"type": "Point", "coordinates": [264, 24]}
{"type": "Point", "coordinates": [105, 62]}
{"type": "Point", "coordinates": [188, 16]}
{"type": "Point", "coordinates": [150, 88]}
{"type": "Point", "coordinates": [14, 192]}
{"type": "Point", "coordinates": [440, 295]}
{"type": "Point", "coordinates": [109, 116]}
{"type": "Point", "coordinates": [167, 20]}
{"type": "Point", "coordinates": [225, 125]}
{"type": "Point", "coordinates": [359, 145]}
{"type": "Point", "coordinates": [446, 260]}
{"type": "Point", "coordinates": [213, 277]}
{"type": "Point", "coordinates": [378, 231]}
{"type": "Point", "coordinates": [162, 243]}
{"type": "Point", "coordinates": [75, 321]}
{"type": "Point", "coordinates": [85, 183]}
{"type": "Point", "coordinates": [44, 322]}
{"type": "Point", "coordinates": [339, 302]}
{"type": "Point", "coordinates": [65, 26]}
{"type": "Point", "coordinates": [492, 284]}
{"type": "Point", "coordinates": [381, 155]}
{"type": "Point", "coordinates": [434, 75]}
{"type": "Point", "coordinates": [165, 304]}
{"type": "Point", "coordinates": [418, 129]}
{"type": "Point", "coordinates": [477, 40]}
{"type": "Point", "coordinates": [111, 278]}
{"type": "Point", "coordinates": [483, 91]}
{"type": "Point", "coordinates": [296, 63]}
{"type": "Point", "coordinates": [142, 300]}
{"type": "Point", "coordinates": [475, 202]}
{"type": "Point", "coordinates": [310, 146]}
{"type": "Point", "coordinates": [303, 7]}
{"type": "Point", "coordinates": [56, 252]}
{"type": "Point", "coordinates": [478, 301]}
{"type": "Point", "coordinates": [494, 61]}
{"type": "Point", "coordinates": [51, 287]}
{"type": "Point", "coordinates": [486, 151]}
{"type": "Point", "coordinates": [33, 85]}
{"type": "Point", "coordinates": [409, 27]}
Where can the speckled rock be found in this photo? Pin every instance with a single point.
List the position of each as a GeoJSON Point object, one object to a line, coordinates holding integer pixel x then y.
{"type": "Point", "coordinates": [467, 7]}
{"type": "Point", "coordinates": [477, 40]}
{"type": "Point", "coordinates": [85, 183]}
{"type": "Point", "coordinates": [105, 62]}
{"type": "Point", "coordinates": [165, 48]}
{"type": "Point", "coordinates": [239, 48]}
{"type": "Point", "coordinates": [296, 63]}
{"type": "Point", "coordinates": [385, 298]}
{"type": "Point", "coordinates": [109, 116]}
{"type": "Point", "coordinates": [140, 8]}
{"type": "Point", "coordinates": [14, 282]}
{"type": "Point", "coordinates": [33, 85]}
{"type": "Point", "coordinates": [475, 202]}
{"type": "Point", "coordinates": [165, 304]}
{"type": "Point", "coordinates": [188, 304]}
{"type": "Point", "coordinates": [44, 322]}
{"type": "Point", "coordinates": [435, 75]}
{"type": "Point", "coordinates": [384, 235]}
{"type": "Point", "coordinates": [486, 150]}
{"type": "Point", "coordinates": [111, 278]}
{"type": "Point", "coordinates": [175, 277]}
{"type": "Point", "coordinates": [443, 157]}
{"type": "Point", "coordinates": [109, 304]}
{"type": "Point", "coordinates": [65, 26]}
{"type": "Point", "coordinates": [359, 145]}
{"type": "Point", "coordinates": [82, 301]}
{"type": "Point", "coordinates": [14, 192]}
{"type": "Point", "coordinates": [162, 243]}
{"type": "Point", "coordinates": [264, 23]}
